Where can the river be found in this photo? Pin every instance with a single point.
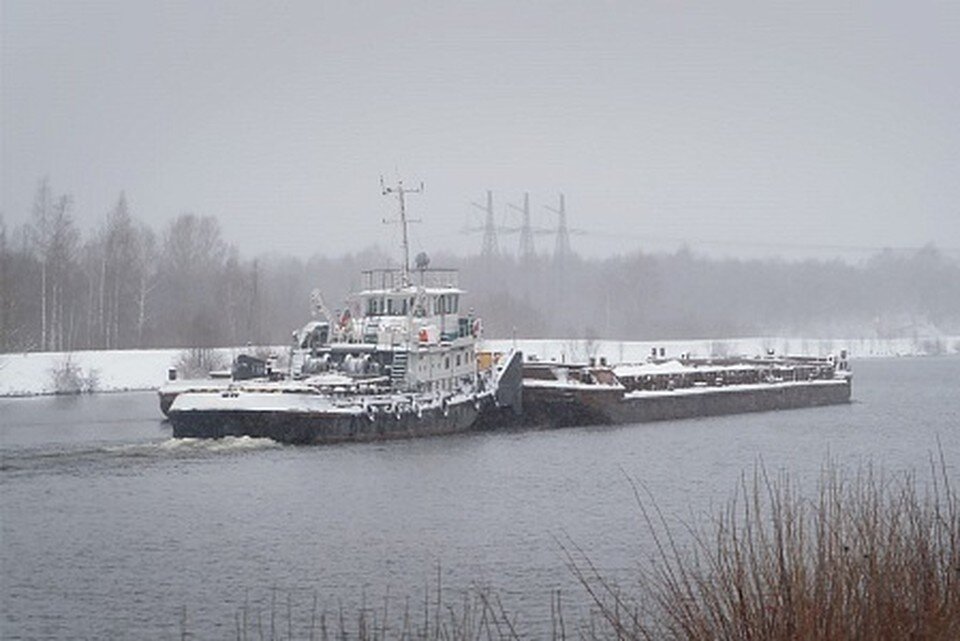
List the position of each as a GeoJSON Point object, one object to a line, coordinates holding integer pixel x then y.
{"type": "Point", "coordinates": [113, 529]}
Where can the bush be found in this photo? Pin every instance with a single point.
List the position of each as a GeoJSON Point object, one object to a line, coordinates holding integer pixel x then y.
{"type": "Point", "coordinates": [870, 557]}
{"type": "Point", "coordinates": [68, 378]}
{"type": "Point", "coordinates": [199, 361]}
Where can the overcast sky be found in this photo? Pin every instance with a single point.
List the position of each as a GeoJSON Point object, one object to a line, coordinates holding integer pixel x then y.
{"type": "Point", "coordinates": [772, 123]}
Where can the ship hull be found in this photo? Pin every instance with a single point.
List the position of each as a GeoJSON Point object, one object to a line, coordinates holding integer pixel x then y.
{"type": "Point", "coordinates": [549, 407]}
{"type": "Point", "coordinates": [312, 428]}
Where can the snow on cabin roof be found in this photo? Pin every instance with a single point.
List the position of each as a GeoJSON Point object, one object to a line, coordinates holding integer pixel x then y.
{"type": "Point", "coordinates": [411, 291]}
{"type": "Point", "coordinates": [393, 278]}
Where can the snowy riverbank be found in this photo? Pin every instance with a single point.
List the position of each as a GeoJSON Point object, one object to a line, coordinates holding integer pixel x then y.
{"type": "Point", "coordinates": [30, 374]}
{"type": "Point", "coordinates": [124, 370]}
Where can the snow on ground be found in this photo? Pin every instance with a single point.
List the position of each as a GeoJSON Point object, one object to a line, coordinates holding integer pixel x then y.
{"type": "Point", "coordinates": [28, 374]}
{"type": "Point", "coordinates": [118, 370]}
{"type": "Point", "coordinates": [33, 373]}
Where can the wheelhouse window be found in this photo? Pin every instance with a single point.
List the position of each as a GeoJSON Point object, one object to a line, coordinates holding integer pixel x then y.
{"type": "Point", "coordinates": [396, 306]}
{"type": "Point", "coordinates": [447, 303]}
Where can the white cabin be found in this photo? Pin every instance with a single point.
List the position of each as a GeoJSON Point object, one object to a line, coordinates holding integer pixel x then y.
{"type": "Point", "coordinates": [414, 331]}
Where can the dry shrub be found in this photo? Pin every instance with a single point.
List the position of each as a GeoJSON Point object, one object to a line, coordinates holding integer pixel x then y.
{"type": "Point", "coordinates": [69, 378]}
{"type": "Point", "coordinates": [199, 361]}
{"type": "Point", "coordinates": [872, 556]}
{"type": "Point", "coordinates": [477, 613]}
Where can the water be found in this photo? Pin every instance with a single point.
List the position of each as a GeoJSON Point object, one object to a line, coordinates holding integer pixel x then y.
{"type": "Point", "coordinates": [112, 529]}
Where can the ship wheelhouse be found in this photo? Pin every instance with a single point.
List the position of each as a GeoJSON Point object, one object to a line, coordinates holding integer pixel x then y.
{"type": "Point", "coordinates": [420, 324]}
{"type": "Point", "coordinates": [410, 333]}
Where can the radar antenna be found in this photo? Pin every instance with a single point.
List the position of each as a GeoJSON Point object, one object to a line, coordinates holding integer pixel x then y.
{"type": "Point", "coordinates": [401, 191]}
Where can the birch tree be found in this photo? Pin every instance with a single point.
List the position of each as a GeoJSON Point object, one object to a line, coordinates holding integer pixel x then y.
{"type": "Point", "coordinates": [54, 238]}
{"type": "Point", "coordinates": [146, 273]}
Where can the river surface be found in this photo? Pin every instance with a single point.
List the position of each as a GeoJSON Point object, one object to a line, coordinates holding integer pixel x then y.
{"type": "Point", "coordinates": [113, 529]}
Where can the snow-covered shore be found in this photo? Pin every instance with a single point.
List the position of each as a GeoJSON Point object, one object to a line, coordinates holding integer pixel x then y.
{"type": "Point", "coordinates": [32, 374]}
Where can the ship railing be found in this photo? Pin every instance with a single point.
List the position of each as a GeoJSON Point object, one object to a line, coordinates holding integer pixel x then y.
{"type": "Point", "coordinates": [393, 278]}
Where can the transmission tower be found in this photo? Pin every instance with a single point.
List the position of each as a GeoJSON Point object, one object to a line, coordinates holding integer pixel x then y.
{"type": "Point", "coordinates": [490, 248]}
{"type": "Point", "coordinates": [562, 250]}
{"type": "Point", "coordinates": [527, 251]}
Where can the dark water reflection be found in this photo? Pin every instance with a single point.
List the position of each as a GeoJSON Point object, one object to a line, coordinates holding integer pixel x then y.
{"type": "Point", "coordinates": [110, 527]}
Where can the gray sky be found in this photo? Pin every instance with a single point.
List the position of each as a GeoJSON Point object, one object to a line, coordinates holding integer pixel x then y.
{"type": "Point", "coordinates": [796, 123]}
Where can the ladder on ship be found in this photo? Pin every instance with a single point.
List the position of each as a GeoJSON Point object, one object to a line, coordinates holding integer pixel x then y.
{"type": "Point", "coordinates": [398, 371]}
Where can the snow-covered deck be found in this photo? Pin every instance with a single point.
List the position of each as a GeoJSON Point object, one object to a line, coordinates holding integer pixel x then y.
{"type": "Point", "coordinates": [731, 389]}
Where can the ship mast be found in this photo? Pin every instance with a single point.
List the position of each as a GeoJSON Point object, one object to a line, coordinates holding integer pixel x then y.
{"type": "Point", "coordinates": [400, 191]}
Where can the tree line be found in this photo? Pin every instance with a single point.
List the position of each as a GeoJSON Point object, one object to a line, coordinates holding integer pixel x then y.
{"type": "Point", "coordinates": [127, 285]}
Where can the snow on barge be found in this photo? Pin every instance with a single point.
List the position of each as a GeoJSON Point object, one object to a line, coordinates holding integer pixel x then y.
{"type": "Point", "coordinates": [399, 361]}
{"type": "Point", "coordinates": [562, 395]}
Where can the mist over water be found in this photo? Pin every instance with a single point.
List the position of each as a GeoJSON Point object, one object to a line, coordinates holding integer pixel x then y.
{"type": "Point", "coordinates": [110, 526]}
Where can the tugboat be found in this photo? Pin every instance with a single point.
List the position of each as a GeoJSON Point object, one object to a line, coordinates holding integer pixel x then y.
{"type": "Point", "coordinates": [400, 361]}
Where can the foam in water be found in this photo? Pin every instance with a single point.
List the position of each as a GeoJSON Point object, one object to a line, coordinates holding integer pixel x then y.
{"type": "Point", "coordinates": [186, 445]}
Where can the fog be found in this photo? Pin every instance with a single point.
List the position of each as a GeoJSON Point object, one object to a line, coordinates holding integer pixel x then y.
{"type": "Point", "coordinates": [812, 130]}
{"type": "Point", "coordinates": [129, 284]}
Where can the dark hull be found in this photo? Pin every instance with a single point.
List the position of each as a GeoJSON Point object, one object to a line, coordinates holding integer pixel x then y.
{"type": "Point", "coordinates": [319, 427]}
{"type": "Point", "coordinates": [587, 405]}
{"type": "Point", "coordinates": [486, 411]}
{"type": "Point", "coordinates": [166, 400]}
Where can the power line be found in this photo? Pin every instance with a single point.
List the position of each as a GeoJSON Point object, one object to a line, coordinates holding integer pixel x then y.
{"type": "Point", "coordinates": [764, 244]}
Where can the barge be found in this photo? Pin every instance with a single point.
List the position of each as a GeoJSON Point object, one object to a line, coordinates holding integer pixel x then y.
{"type": "Point", "coordinates": [564, 395]}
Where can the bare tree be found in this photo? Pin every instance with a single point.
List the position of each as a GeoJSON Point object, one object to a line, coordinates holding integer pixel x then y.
{"type": "Point", "coordinates": [40, 234]}
{"type": "Point", "coordinates": [6, 291]}
{"type": "Point", "coordinates": [146, 269]}
{"type": "Point", "coordinates": [192, 269]}
{"type": "Point", "coordinates": [54, 238]}
{"type": "Point", "coordinates": [118, 285]}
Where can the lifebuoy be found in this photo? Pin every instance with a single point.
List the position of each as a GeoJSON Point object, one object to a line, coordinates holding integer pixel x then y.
{"type": "Point", "coordinates": [424, 336]}
{"type": "Point", "coordinates": [477, 328]}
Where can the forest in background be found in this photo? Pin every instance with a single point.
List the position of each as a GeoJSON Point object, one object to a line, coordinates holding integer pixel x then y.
{"type": "Point", "coordinates": [128, 285]}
